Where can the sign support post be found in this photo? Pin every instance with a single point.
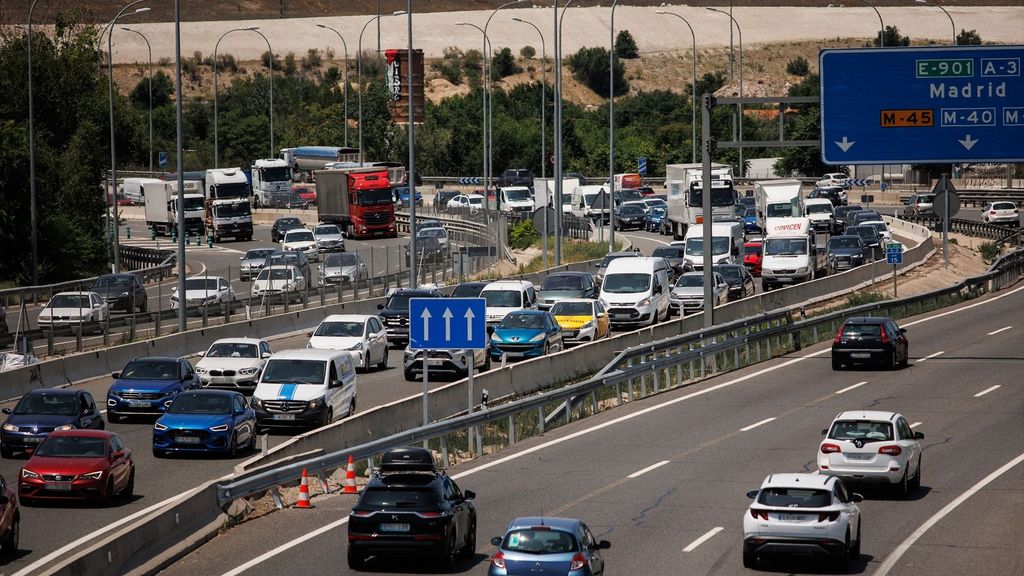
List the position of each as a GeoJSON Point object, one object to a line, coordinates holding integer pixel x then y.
{"type": "Point", "coordinates": [945, 223]}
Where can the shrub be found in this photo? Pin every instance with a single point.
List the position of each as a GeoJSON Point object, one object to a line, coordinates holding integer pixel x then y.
{"type": "Point", "coordinates": [590, 66]}
{"type": "Point", "coordinates": [798, 66]}
{"type": "Point", "coordinates": [989, 251]}
{"type": "Point", "coordinates": [968, 38]}
{"type": "Point", "coordinates": [504, 64]}
{"type": "Point", "coordinates": [451, 71]}
{"type": "Point", "coordinates": [312, 59]}
{"type": "Point", "coordinates": [625, 45]}
{"type": "Point", "coordinates": [527, 52]}
{"type": "Point", "coordinates": [861, 298]}
{"type": "Point", "coordinates": [522, 235]}
{"type": "Point", "coordinates": [451, 53]}
{"type": "Point", "coordinates": [289, 64]}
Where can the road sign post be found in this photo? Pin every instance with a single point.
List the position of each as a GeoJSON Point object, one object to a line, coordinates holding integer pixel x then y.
{"type": "Point", "coordinates": [946, 204]}
{"type": "Point", "coordinates": [894, 256]}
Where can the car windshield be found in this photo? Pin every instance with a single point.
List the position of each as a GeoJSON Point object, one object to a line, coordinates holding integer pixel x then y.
{"type": "Point", "coordinates": [690, 280]}
{"type": "Point", "coordinates": [276, 173]}
{"type": "Point", "coordinates": [864, 430]}
{"type": "Point", "coordinates": [631, 210]}
{"type": "Point", "coordinates": [408, 498]}
{"type": "Point", "coordinates": [730, 271]}
{"type": "Point", "coordinates": [328, 230]}
{"type": "Point", "coordinates": [626, 283]}
{"type": "Point", "coordinates": [69, 301]}
{"type": "Point", "coordinates": [476, 200]}
{"type": "Point", "coordinates": [795, 497]}
{"type": "Point", "coordinates": [566, 199]}
{"type": "Point", "coordinates": [343, 259]}
{"type": "Point", "coordinates": [432, 233]}
{"type": "Point", "coordinates": [150, 370]}
{"type": "Point", "coordinates": [72, 447]}
{"type": "Point", "coordinates": [502, 298]}
{"type": "Point", "coordinates": [467, 290]}
{"type": "Point", "coordinates": [572, 309]}
{"type": "Point", "coordinates": [233, 350]}
{"type": "Point", "coordinates": [657, 211]}
{"type": "Point", "coordinates": [695, 246]}
{"type": "Point", "coordinates": [275, 274]}
{"type": "Point", "coordinates": [880, 226]}
{"type": "Point", "coordinates": [608, 259]}
{"type": "Point", "coordinates": [819, 209]}
{"type": "Point", "coordinates": [107, 282]}
{"type": "Point", "coordinates": [299, 236]}
{"type": "Point", "coordinates": [754, 249]}
{"type": "Point", "coordinates": [866, 233]}
{"type": "Point", "coordinates": [658, 203]}
{"type": "Point", "coordinates": [540, 540]}
{"type": "Point", "coordinates": [258, 254]}
{"type": "Point", "coordinates": [200, 404]}
{"type": "Point", "coordinates": [288, 371]}
{"type": "Point", "coordinates": [234, 209]}
{"type": "Point", "coordinates": [844, 242]}
{"type": "Point", "coordinates": [785, 246]}
{"type": "Point", "coordinates": [339, 329]}
{"type": "Point", "coordinates": [523, 321]}
{"type": "Point", "coordinates": [517, 195]}
{"type": "Point", "coordinates": [288, 223]}
{"type": "Point", "coordinates": [192, 203]}
{"type": "Point", "coordinates": [58, 404]}
{"type": "Point", "coordinates": [399, 301]}
{"type": "Point", "coordinates": [201, 284]}
{"type": "Point", "coordinates": [562, 282]}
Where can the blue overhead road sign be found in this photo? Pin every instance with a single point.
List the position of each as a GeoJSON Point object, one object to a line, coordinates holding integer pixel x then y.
{"type": "Point", "coordinates": [922, 105]}
{"type": "Point", "coordinates": [447, 323]}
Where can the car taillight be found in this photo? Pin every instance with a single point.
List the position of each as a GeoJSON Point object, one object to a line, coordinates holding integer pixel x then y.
{"type": "Point", "coordinates": [579, 560]}
{"type": "Point", "coordinates": [758, 513]}
{"type": "Point", "coordinates": [890, 450]}
{"type": "Point", "coordinates": [992, 213]}
{"type": "Point", "coordinates": [885, 337]}
{"type": "Point", "coordinates": [839, 336]}
{"type": "Point", "coordinates": [830, 516]}
{"type": "Point", "coordinates": [360, 513]}
{"type": "Point", "coordinates": [829, 448]}
{"type": "Point", "coordinates": [498, 560]}
{"type": "Point", "coordinates": [430, 514]}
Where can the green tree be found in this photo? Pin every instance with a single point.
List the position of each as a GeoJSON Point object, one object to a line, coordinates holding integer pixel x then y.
{"type": "Point", "coordinates": [625, 46]}
{"type": "Point", "coordinates": [504, 64]}
{"type": "Point", "coordinates": [710, 82]}
{"type": "Point", "coordinates": [968, 38]}
{"type": "Point", "coordinates": [590, 66]}
{"type": "Point", "coordinates": [803, 161]}
{"type": "Point", "coordinates": [892, 37]}
{"type": "Point", "coordinates": [163, 87]}
{"type": "Point", "coordinates": [527, 52]}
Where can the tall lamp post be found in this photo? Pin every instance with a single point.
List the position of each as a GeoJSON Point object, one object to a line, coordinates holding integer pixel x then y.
{"type": "Point", "coordinates": [483, 105]}
{"type": "Point", "coordinates": [149, 49]}
{"type": "Point", "coordinates": [881, 24]}
{"type": "Point", "coordinates": [216, 141]}
{"type": "Point", "coordinates": [543, 136]}
{"type": "Point", "coordinates": [180, 150]}
{"type": "Point", "coordinates": [693, 86]}
{"type": "Point", "coordinates": [611, 129]}
{"type": "Point", "coordinates": [345, 73]}
{"type": "Point", "coordinates": [411, 127]}
{"type": "Point", "coordinates": [32, 157]}
{"type": "Point", "coordinates": [951, 23]}
{"type": "Point", "coordinates": [558, 18]}
{"type": "Point", "coordinates": [490, 101]}
{"type": "Point", "coordinates": [739, 34]}
{"type": "Point", "coordinates": [359, 75]}
{"type": "Point", "coordinates": [270, 65]}
{"type": "Point", "coordinates": [113, 136]}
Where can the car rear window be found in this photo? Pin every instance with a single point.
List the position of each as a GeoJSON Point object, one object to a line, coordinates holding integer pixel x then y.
{"type": "Point", "coordinates": [539, 540]}
{"type": "Point", "coordinates": [795, 497]}
{"type": "Point", "coordinates": [865, 430]}
{"type": "Point", "coordinates": [1003, 206]}
{"type": "Point", "coordinates": [862, 330]}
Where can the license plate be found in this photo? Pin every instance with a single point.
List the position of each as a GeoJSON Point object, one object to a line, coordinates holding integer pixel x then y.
{"type": "Point", "coordinates": [858, 456]}
{"type": "Point", "coordinates": [860, 355]}
{"type": "Point", "coordinates": [188, 439]}
{"type": "Point", "coordinates": [435, 362]}
{"type": "Point", "coordinates": [393, 527]}
{"type": "Point", "coordinates": [783, 280]}
{"type": "Point", "coordinates": [59, 486]}
{"type": "Point", "coordinates": [33, 440]}
{"type": "Point", "coordinates": [138, 403]}
{"type": "Point", "coordinates": [284, 416]}
{"type": "Point", "coordinates": [791, 517]}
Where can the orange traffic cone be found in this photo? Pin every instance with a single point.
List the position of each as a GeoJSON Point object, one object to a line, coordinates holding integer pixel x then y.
{"type": "Point", "coordinates": [304, 492]}
{"type": "Point", "coordinates": [350, 478]}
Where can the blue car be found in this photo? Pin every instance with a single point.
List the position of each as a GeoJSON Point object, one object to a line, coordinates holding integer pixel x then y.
{"type": "Point", "coordinates": [148, 385]}
{"type": "Point", "coordinates": [749, 218]}
{"type": "Point", "coordinates": [535, 545]}
{"type": "Point", "coordinates": [42, 411]}
{"type": "Point", "coordinates": [401, 196]}
{"type": "Point", "coordinates": [200, 421]}
{"type": "Point", "coordinates": [526, 334]}
{"type": "Point", "coordinates": [652, 222]}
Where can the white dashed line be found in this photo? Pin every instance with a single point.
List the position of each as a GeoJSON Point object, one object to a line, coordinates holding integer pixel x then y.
{"type": "Point", "coordinates": [986, 391]}
{"type": "Point", "coordinates": [915, 424]}
{"type": "Point", "coordinates": [648, 469]}
{"type": "Point", "coordinates": [756, 424]}
{"type": "Point", "coordinates": [707, 536]}
{"type": "Point", "coordinates": [930, 356]}
{"type": "Point", "coordinates": [848, 388]}
{"type": "Point", "coordinates": [1003, 329]}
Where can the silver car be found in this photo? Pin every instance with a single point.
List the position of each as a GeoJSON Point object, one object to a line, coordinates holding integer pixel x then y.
{"type": "Point", "coordinates": [448, 362]}
{"type": "Point", "coordinates": [252, 262]}
{"type": "Point", "coordinates": [329, 238]}
{"type": "Point", "coordinates": [343, 268]}
{"type": "Point", "coordinates": [688, 293]}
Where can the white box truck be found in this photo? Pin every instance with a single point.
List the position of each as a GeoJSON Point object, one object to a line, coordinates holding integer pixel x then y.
{"type": "Point", "coordinates": [271, 182]}
{"type": "Point", "coordinates": [777, 199]}
{"type": "Point", "coordinates": [133, 189]}
{"type": "Point", "coordinates": [161, 202]}
{"type": "Point", "coordinates": [790, 253]}
{"type": "Point", "coordinates": [726, 244]}
{"type": "Point", "coordinates": [685, 185]}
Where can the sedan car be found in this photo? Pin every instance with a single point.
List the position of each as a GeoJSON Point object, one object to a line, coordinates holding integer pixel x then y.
{"type": "Point", "coordinates": [870, 237]}
{"type": "Point", "coordinates": [466, 202]}
{"type": "Point", "coordinates": [753, 255]}
{"type": "Point", "coordinates": [582, 320]}
{"type": "Point", "coordinates": [526, 334]}
{"type": "Point", "coordinates": [42, 411]}
{"type": "Point", "coordinates": [343, 268]}
{"type": "Point", "coordinates": [301, 240]}
{"type": "Point", "coordinates": [147, 386]}
{"type": "Point", "coordinates": [78, 465]}
{"type": "Point", "coordinates": [872, 447]}
{"type": "Point", "coordinates": [630, 217]}
{"type": "Point", "coordinates": [252, 262]}
{"type": "Point", "coordinates": [203, 421]}
{"type": "Point", "coordinates": [561, 285]}
{"type": "Point", "coordinates": [688, 293]}
{"type": "Point", "coordinates": [654, 218]}
{"type": "Point", "coordinates": [85, 309]}
{"type": "Point", "coordinates": [845, 252]}
{"type": "Point", "coordinates": [468, 289]}
{"type": "Point", "coordinates": [284, 282]}
{"type": "Point", "coordinates": [233, 363]}
{"type": "Point", "coordinates": [329, 238]}
{"type": "Point", "coordinates": [739, 279]}
{"type": "Point", "coordinates": [282, 225]}
{"type": "Point", "coordinates": [122, 292]}
{"type": "Point", "coordinates": [361, 334]}
{"type": "Point", "coordinates": [802, 514]}
{"type": "Point", "coordinates": [1001, 213]}
{"type": "Point", "coordinates": [870, 340]}
{"type": "Point", "coordinates": [547, 545]}
{"type": "Point", "coordinates": [205, 292]}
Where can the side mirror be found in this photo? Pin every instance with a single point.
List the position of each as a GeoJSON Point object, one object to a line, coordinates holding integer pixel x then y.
{"type": "Point", "coordinates": [6, 410]}
{"type": "Point", "coordinates": [917, 435]}
{"type": "Point", "coordinates": [856, 497]}
{"type": "Point", "coordinates": [380, 306]}
{"type": "Point", "coordinates": [604, 545]}
{"type": "Point", "coordinates": [469, 494]}
{"type": "Point", "coordinates": [115, 375]}
{"type": "Point", "coordinates": [903, 330]}
{"type": "Point", "coordinates": [824, 431]}
{"type": "Point", "coordinates": [309, 334]}
{"type": "Point", "coordinates": [202, 354]}
{"type": "Point", "coordinates": [265, 355]}
{"type": "Point", "coordinates": [116, 454]}
{"type": "Point", "coordinates": [496, 541]}
{"type": "Point", "coordinates": [752, 494]}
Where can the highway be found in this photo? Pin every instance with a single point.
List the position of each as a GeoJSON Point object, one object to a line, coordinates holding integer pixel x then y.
{"type": "Point", "coordinates": [664, 478]}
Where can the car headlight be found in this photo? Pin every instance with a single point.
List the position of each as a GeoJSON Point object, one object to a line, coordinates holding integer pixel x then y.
{"type": "Point", "coordinates": [587, 325]}
{"type": "Point", "coordinates": [495, 337]}
{"type": "Point", "coordinates": [123, 295]}
{"type": "Point", "coordinates": [10, 428]}
{"type": "Point", "coordinates": [159, 426]}
{"type": "Point", "coordinates": [26, 473]}
{"type": "Point", "coordinates": [248, 371]}
{"type": "Point", "coordinates": [539, 337]}
{"type": "Point", "coordinates": [174, 297]}
{"type": "Point", "coordinates": [221, 428]}
{"type": "Point", "coordinates": [201, 370]}
{"type": "Point", "coordinates": [356, 347]}
{"type": "Point", "coordinates": [645, 302]}
{"type": "Point", "coordinates": [64, 427]}
{"type": "Point", "coordinates": [93, 475]}
{"type": "Point", "coordinates": [314, 404]}
{"type": "Point", "coordinates": [256, 402]}
{"type": "Point", "coordinates": [211, 298]}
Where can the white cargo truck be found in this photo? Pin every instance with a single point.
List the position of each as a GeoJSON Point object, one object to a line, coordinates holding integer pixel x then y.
{"type": "Point", "coordinates": [790, 253]}
{"type": "Point", "coordinates": [271, 182]}
{"type": "Point", "coordinates": [726, 244]}
{"type": "Point", "coordinates": [685, 185]}
{"type": "Point", "coordinates": [161, 202]}
{"type": "Point", "coordinates": [777, 199]}
{"type": "Point", "coordinates": [228, 208]}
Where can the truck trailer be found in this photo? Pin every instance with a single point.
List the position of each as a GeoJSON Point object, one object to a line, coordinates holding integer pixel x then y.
{"type": "Point", "coordinates": [161, 202]}
{"type": "Point", "coordinates": [357, 199]}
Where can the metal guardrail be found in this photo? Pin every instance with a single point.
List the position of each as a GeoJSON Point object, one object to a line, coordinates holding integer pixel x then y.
{"type": "Point", "coordinates": [961, 226]}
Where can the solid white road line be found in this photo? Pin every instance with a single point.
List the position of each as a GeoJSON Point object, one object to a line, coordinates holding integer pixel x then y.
{"type": "Point", "coordinates": [648, 469]}
{"type": "Point", "coordinates": [1003, 329]}
{"type": "Point", "coordinates": [756, 424]}
{"type": "Point", "coordinates": [707, 536]}
{"type": "Point", "coordinates": [848, 388]}
{"type": "Point", "coordinates": [968, 307]}
{"type": "Point", "coordinates": [930, 356]}
{"type": "Point", "coordinates": [645, 238]}
{"type": "Point", "coordinates": [915, 424]}
{"type": "Point", "coordinates": [895, 555]}
{"type": "Point", "coordinates": [986, 391]}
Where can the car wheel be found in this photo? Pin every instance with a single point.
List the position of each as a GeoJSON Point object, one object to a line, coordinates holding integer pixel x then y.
{"type": "Point", "coordinates": [6, 452]}
{"type": "Point", "coordinates": [11, 542]}
{"type": "Point", "coordinates": [158, 453]}
{"type": "Point", "coordinates": [110, 494]}
{"type": "Point", "coordinates": [114, 417]}
{"type": "Point", "coordinates": [915, 484]}
{"type": "Point", "coordinates": [842, 559]}
{"type": "Point", "coordinates": [906, 357]}
{"type": "Point", "coordinates": [384, 361]}
{"type": "Point", "coordinates": [836, 364]}
{"type": "Point", "coordinates": [129, 489]}
{"type": "Point", "coordinates": [469, 550]}
{"type": "Point", "coordinates": [233, 447]}
{"type": "Point", "coordinates": [749, 559]}
{"type": "Point", "coordinates": [144, 307]}
{"type": "Point", "coordinates": [356, 560]}
{"type": "Point", "coordinates": [855, 553]}
{"type": "Point", "coordinates": [893, 363]}
{"type": "Point", "coordinates": [903, 487]}
{"type": "Point", "coordinates": [410, 376]}
{"type": "Point", "coordinates": [449, 554]}
{"type": "Point", "coordinates": [366, 361]}
{"type": "Point", "coordinates": [351, 407]}
{"type": "Point", "coordinates": [487, 360]}
{"type": "Point", "coordinates": [547, 349]}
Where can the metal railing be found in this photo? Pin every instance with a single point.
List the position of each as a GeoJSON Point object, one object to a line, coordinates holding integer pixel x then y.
{"type": "Point", "coordinates": [961, 226]}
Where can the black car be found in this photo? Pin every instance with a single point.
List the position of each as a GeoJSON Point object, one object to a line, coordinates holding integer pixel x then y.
{"type": "Point", "coordinates": [428, 249]}
{"type": "Point", "coordinates": [122, 292]}
{"type": "Point", "coordinates": [282, 225]}
{"type": "Point", "coordinates": [871, 238]}
{"type": "Point", "coordinates": [845, 252]}
{"type": "Point", "coordinates": [835, 195]}
{"type": "Point", "coordinates": [858, 218]}
{"type": "Point", "coordinates": [441, 198]}
{"type": "Point", "coordinates": [408, 506]}
{"type": "Point", "coordinates": [870, 340]}
{"type": "Point", "coordinates": [469, 289]}
{"type": "Point", "coordinates": [630, 216]}
{"type": "Point", "coordinates": [516, 177]}
{"type": "Point", "coordinates": [740, 281]}
{"type": "Point", "coordinates": [395, 313]}
{"type": "Point", "coordinates": [842, 211]}
{"type": "Point", "coordinates": [42, 411]}
{"type": "Point", "coordinates": [676, 258]}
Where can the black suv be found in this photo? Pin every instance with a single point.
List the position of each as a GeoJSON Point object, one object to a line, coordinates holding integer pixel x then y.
{"type": "Point", "coordinates": [516, 177]}
{"type": "Point", "coordinates": [395, 313]}
{"type": "Point", "coordinates": [282, 225]}
{"type": "Point", "coordinates": [122, 292]}
{"type": "Point", "coordinates": [410, 506]}
{"type": "Point", "coordinates": [441, 198]}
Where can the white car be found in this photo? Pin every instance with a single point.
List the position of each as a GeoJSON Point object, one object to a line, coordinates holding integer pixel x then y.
{"type": "Point", "coordinates": [1001, 213]}
{"type": "Point", "coordinates": [471, 202]}
{"type": "Point", "coordinates": [440, 233]}
{"type": "Point", "coordinates": [802, 514]}
{"type": "Point", "coordinates": [74, 309]}
{"type": "Point", "coordinates": [833, 179]}
{"type": "Point", "coordinates": [361, 334]}
{"type": "Point", "coordinates": [205, 292]}
{"type": "Point", "coordinates": [329, 238]}
{"type": "Point", "coordinates": [279, 280]}
{"type": "Point", "coordinates": [882, 227]}
{"type": "Point", "coordinates": [233, 363]}
{"type": "Point", "coordinates": [301, 240]}
{"type": "Point", "coordinates": [873, 447]}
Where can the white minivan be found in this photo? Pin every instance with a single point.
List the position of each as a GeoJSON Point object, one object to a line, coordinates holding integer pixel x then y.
{"type": "Point", "coordinates": [305, 389]}
{"type": "Point", "coordinates": [635, 291]}
{"type": "Point", "coordinates": [504, 296]}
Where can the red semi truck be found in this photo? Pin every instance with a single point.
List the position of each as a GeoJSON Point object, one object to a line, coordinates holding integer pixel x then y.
{"type": "Point", "coordinates": [357, 199]}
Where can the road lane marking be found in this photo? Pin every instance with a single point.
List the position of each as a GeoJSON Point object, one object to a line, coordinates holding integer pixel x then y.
{"type": "Point", "coordinates": [895, 555]}
{"type": "Point", "coordinates": [968, 307]}
{"type": "Point", "coordinates": [848, 388]}
{"type": "Point", "coordinates": [645, 238]}
{"type": "Point", "coordinates": [986, 391]}
{"type": "Point", "coordinates": [930, 356]}
{"type": "Point", "coordinates": [915, 424]}
{"type": "Point", "coordinates": [1003, 329]}
{"type": "Point", "coordinates": [648, 469]}
{"type": "Point", "coordinates": [707, 536]}
{"type": "Point", "coordinates": [756, 424]}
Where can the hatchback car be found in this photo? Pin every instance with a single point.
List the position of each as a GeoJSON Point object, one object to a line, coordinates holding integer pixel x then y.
{"type": "Point", "coordinates": [361, 334]}
{"type": "Point", "coordinates": [870, 237]}
{"type": "Point", "coordinates": [582, 320]}
{"type": "Point", "coordinates": [466, 202]}
{"type": "Point", "coordinates": [561, 285]}
{"type": "Point", "coordinates": [630, 217]}
{"type": "Point", "coordinates": [279, 282]}
{"type": "Point", "coordinates": [547, 545]}
{"type": "Point", "coordinates": [147, 386]}
{"type": "Point", "coordinates": [81, 309]}
{"type": "Point", "coordinates": [42, 411]}
{"type": "Point", "coordinates": [921, 205]}
{"type": "Point", "coordinates": [870, 340]}
{"type": "Point", "coordinates": [526, 334]}
{"type": "Point", "coordinates": [203, 293]}
{"type": "Point", "coordinates": [872, 447]}
{"type": "Point", "coordinates": [753, 255]}
{"type": "Point", "coordinates": [301, 240]}
{"type": "Point", "coordinates": [78, 465]}
{"type": "Point", "coordinates": [282, 225]}
{"type": "Point", "coordinates": [343, 268]}
{"type": "Point", "coordinates": [688, 292]}
{"type": "Point", "coordinates": [654, 218]}
{"type": "Point", "coordinates": [676, 258]}
{"type": "Point", "coordinates": [1001, 213]}
{"type": "Point", "coordinates": [203, 421]}
{"type": "Point", "coordinates": [802, 514]}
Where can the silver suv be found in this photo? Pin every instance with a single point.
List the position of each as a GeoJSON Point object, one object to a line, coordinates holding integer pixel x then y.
{"type": "Point", "coordinates": [921, 205]}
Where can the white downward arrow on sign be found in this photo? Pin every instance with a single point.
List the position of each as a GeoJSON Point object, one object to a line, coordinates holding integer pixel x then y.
{"type": "Point", "coordinates": [968, 142]}
{"type": "Point", "coordinates": [447, 324]}
{"type": "Point", "coordinates": [845, 144]}
{"type": "Point", "coordinates": [469, 324]}
{"type": "Point", "coordinates": [426, 324]}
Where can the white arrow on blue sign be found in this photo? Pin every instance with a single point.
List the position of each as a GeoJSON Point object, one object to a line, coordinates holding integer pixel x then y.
{"type": "Point", "coordinates": [447, 323]}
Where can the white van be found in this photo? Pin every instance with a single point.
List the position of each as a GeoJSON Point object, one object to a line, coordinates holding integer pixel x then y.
{"type": "Point", "coordinates": [821, 214]}
{"type": "Point", "coordinates": [514, 199]}
{"type": "Point", "coordinates": [635, 291]}
{"type": "Point", "coordinates": [591, 201]}
{"type": "Point", "coordinates": [305, 389]}
{"type": "Point", "coordinates": [132, 188]}
{"type": "Point", "coordinates": [504, 296]}
{"type": "Point", "coordinates": [726, 244]}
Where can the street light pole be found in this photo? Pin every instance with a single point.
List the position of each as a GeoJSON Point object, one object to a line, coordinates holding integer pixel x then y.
{"type": "Point", "coordinates": [412, 168]}
{"type": "Point", "coordinates": [951, 23]}
{"type": "Point", "coordinates": [483, 108]}
{"type": "Point", "coordinates": [180, 144]}
{"type": "Point", "coordinates": [693, 86]}
{"type": "Point", "coordinates": [611, 129]}
{"type": "Point", "coordinates": [881, 36]}
{"type": "Point", "coordinates": [359, 75]}
{"type": "Point", "coordinates": [490, 101]}
{"type": "Point", "coordinates": [270, 64]}
{"type": "Point", "coordinates": [543, 121]}
{"type": "Point", "coordinates": [739, 34]}
{"type": "Point", "coordinates": [558, 18]}
{"type": "Point", "coordinates": [149, 49]}
{"type": "Point", "coordinates": [345, 73]}
{"type": "Point", "coordinates": [32, 158]}
{"type": "Point", "coordinates": [216, 141]}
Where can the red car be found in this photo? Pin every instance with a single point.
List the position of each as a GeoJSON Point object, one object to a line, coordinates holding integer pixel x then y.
{"type": "Point", "coordinates": [78, 465]}
{"type": "Point", "coordinates": [10, 519]}
{"type": "Point", "coordinates": [753, 254]}
{"type": "Point", "coordinates": [306, 193]}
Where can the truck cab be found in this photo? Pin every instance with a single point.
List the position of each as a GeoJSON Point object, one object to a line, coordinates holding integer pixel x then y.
{"type": "Point", "coordinates": [271, 182]}
{"type": "Point", "coordinates": [228, 211]}
{"type": "Point", "coordinates": [790, 253]}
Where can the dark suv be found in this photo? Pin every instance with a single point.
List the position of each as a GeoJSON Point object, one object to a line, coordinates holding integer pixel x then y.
{"type": "Point", "coordinates": [516, 177]}
{"type": "Point", "coordinates": [395, 313]}
{"type": "Point", "coordinates": [410, 506]}
{"type": "Point", "coordinates": [122, 292]}
{"type": "Point", "coordinates": [282, 225]}
{"type": "Point", "coordinates": [870, 340]}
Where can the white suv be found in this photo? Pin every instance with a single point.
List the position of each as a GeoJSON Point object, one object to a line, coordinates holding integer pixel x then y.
{"type": "Point", "coordinates": [803, 514]}
{"type": "Point", "coordinates": [872, 446]}
{"type": "Point", "coordinates": [301, 240]}
{"type": "Point", "coordinates": [833, 179]}
{"type": "Point", "coordinates": [1001, 213]}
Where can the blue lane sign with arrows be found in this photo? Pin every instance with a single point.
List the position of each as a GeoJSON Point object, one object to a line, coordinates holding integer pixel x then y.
{"type": "Point", "coordinates": [447, 323]}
